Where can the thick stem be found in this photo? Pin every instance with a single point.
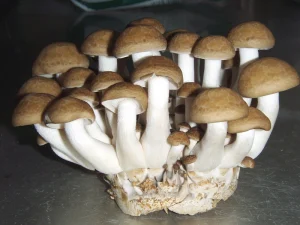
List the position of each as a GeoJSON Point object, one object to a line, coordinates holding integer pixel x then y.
{"type": "Point", "coordinates": [154, 139]}
{"type": "Point", "coordinates": [95, 132]}
{"type": "Point", "coordinates": [129, 150]}
{"type": "Point", "coordinates": [107, 63]}
{"type": "Point", "coordinates": [210, 149]}
{"type": "Point", "coordinates": [112, 123]}
{"type": "Point", "coordinates": [102, 156]}
{"type": "Point", "coordinates": [188, 105]}
{"type": "Point", "coordinates": [186, 64]}
{"type": "Point", "coordinates": [138, 57]}
{"type": "Point", "coordinates": [211, 76]}
{"type": "Point", "coordinates": [58, 140]}
{"type": "Point", "coordinates": [238, 150]}
{"type": "Point", "coordinates": [269, 105]}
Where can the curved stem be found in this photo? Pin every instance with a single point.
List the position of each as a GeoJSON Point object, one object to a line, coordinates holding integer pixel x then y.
{"type": "Point", "coordinates": [95, 132]}
{"type": "Point", "coordinates": [59, 140]}
{"type": "Point", "coordinates": [237, 151]}
{"type": "Point", "coordinates": [211, 76]}
{"type": "Point", "coordinates": [129, 150]}
{"type": "Point", "coordinates": [210, 149]}
{"type": "Point", "coordinates": [112, 123]}
{"type": "Point", "coordinates": [269, 105]}
{"type": "Point", "coordinates": [102, 156]}
{"type": "Point", "coordinates": [154, 139]}
{"type": "Point", "coordinates": [107, 63]}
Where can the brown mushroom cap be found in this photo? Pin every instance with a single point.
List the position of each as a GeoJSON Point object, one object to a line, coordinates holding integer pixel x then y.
{"type": "Point", "coordinates": [213, 47]}
{"type": "Point", "coordinates": [68, 109]}
{"type": "Point", "coordinates": [99, 43]}
{"type": "Point", "coordinates": [58, 58]}
{"type": "Point", "coordinates": [248, 162]}
{"type": "Point", "coordinates": [137, 39]}
{"type": "Point", "coordinates": [160, 66]}
{"type": "Point", "coordinates": [178, 138]}
{"type": "Point", "coordinates": [218, 105]}
{"type": "Point", "coordinates": [77, 77]}
{"type": "Point", "coordinates": [85, 95]}
{"type": "Point", "coordinates": [267, 76]}
{"type": "Point", "coordinates": [251, 35]}
{"type": "Point", "coordinates": [255, 120]}
{"type": "Point", "coordinates": [184, 125]}
{"type": "Point", "coordinates": [189, 159]}
{"type": "Point", "coordinates": [30, 109]}
{"type": "Point", "coordinates": [147, 21]}
{"type": "Point", "coordinates": [104, 80]}
{"type": "Point", "coordinates": [40, 140]}
{"type": "Point", "coordinates": [168, 35]}
{"type": "Point", "coordinates": [125, 90]}
{"type": "Point", "coordinates": [194, 134]}
{"type": "Point", "coordinates": [188, 89]}
{"type": "Point", "coordinates": [182, 42]}
{"type": "Point", "coordinates": [40, 85]}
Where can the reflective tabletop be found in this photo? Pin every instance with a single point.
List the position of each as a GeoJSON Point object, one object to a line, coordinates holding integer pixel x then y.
{"type": "Point", "coordinates": [37, 188]}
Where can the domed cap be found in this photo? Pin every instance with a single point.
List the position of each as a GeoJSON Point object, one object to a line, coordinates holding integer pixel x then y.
{"type": "Point", "coordinates": [85, 95]}
{"type": "Point", "coordinates": [104, 80]}
{"type": "Point", "coordinates": [77, 77]}
{"type": "Point", "coordinates": [218, 105]}
{"type": "Point", "coordinates": [147, 21]}
{"type": "Point", "coordinates": [40, 85]}
{"type": "Point", "coordinates": [188, 89]}
{"type": "Point", "coordinates": [160, 66]}
{"type": "Point", "coordinates": [124, 90]}
{"type": "Point", "coordinates": [194, 134]}
{"type": "Point", "coordinates": [168, 35]}
{"type": "Point", "coordinates": [213, 47]}
{"type": "Point", "coordinates": [30, 109]}
{"type": "Point", "coordinates": [178, 138]}
{"type": "Point", "coordinates": [100, 43]}
{"type": "Point", "coordinates": [137, 39]}
{"type": "Point", "coordinates": [182, 42]}
{"type": "Point", "coordinates": [267, 76]}
{"type": "Point", "coordinates": [255, 120]}
{"type": "Point", "coordinates": [184, 126]}
{"type": "Point", "coordinates": [248, 162]}
{"type": "Point", "coordinates": [58, 58]}
{"type": "Point", "coordinates": [40, 140]}
{"type": "Point", "coordinates": [68, 109]}
{"type": "Point", "coordinates": [251, 35]}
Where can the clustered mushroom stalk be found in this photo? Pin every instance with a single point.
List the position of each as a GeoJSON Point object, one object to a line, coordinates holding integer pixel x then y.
{"type": "Point", "coordinates": [269, 105]}
{"type": "Point", "coordinates": [154, 139]}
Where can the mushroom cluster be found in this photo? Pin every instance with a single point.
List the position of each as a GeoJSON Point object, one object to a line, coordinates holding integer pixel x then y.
{"type": "Point", "coordinates": [165, 136]}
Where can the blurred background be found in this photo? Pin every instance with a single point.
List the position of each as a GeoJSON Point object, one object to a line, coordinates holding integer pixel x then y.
{"type": "Point", "coordinates": [38, 188]}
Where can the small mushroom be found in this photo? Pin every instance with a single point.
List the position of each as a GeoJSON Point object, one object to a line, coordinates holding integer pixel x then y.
{"type": "Point", "coordinates": [77, 77]}
{"type": "Point", "coordinates": [215, 107]}
{"type": "Point", "coordinates": [74, 114]}
{"type": "Point", "coordinates": [184, 127]}
{"type": "Point", "coordinates": [140, 42]}
{"type": "Point", "coordinates": [248, 162]}
{"type": "Point", "coordinates": [100, 44]}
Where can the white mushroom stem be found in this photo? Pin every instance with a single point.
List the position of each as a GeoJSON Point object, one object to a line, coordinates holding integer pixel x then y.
{"type": "Point", "coordinates": [235, 153]}
{"type": "Point", "coordinates": [137, 57]}
{"type": "Point", "coordinates": [210, 149]}
{"type": "Point", "coordinates": [138, 134]}
{"type": "Point", "coordinates": [107, 63]}
{"type": "Point", "coordinates": [269, 105]}
{"type": "Point", "coordinates": [62, 155]}
{"type": "Point", "coordinates": [227, 140]}
{"type": "Point", "coordinates": [186, 64]}
{"type": "Point", "coordinates": [58, 139]}
{"type": "Point", "coordinates": [95, 132]}
{"type": "Point", "coordinates": [188, 105]}
{"type": "Point", "coordinates": [175, 154]}
{"type": "Point", "coordinates": [101, 120]}
{"type": "Point", "coordinates": [112, 123]}
{"type": "Point", "coordinates": [211, 76]}
{"type": "Point", "coordinates": [102, 156]}
{"type": "Point", "coordinates": [154, 139]}
{"type": "Point", "coordinates": [190, 147]}
{"type": "Point", "coordinates": [129, 150]}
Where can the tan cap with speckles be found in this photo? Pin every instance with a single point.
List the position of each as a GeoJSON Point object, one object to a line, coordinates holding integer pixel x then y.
{"type": "Point", "coordinates": [77, 77]}
{"type": "Point", "coordinates": [182, 42]}
{"type": "Point", "coordinates": [104, 80]}
{"type": "Point", "coordinates": [147, 21]}
{"type": "Point", "coordinates": [178, 138]}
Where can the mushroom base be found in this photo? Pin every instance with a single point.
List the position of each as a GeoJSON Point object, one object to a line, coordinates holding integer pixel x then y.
{"type": "Point", "coordinates": [185, 193]}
